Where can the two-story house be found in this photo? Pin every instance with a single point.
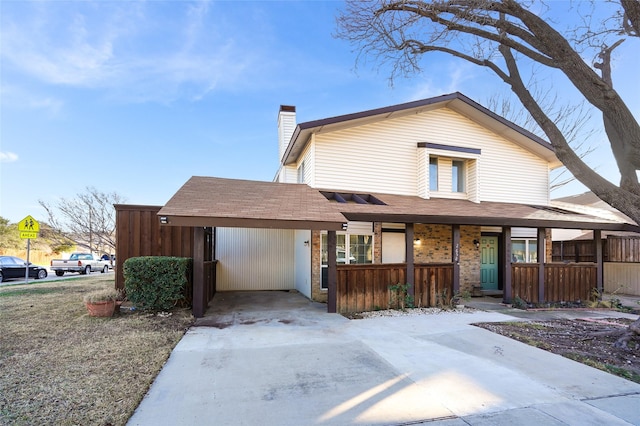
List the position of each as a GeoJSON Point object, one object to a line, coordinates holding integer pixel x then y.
{"type": "Point", "coordinates": [441, 193]}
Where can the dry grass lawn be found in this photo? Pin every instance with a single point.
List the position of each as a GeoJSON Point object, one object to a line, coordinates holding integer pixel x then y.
{"type": "Point", "coordinates": [60, 366]}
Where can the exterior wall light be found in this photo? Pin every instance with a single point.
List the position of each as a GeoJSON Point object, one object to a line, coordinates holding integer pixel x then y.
{"type": "Point", "coordinates": [417, 241]}
{"type": "Point", "coordinates": [477, 244]}
{"type": "Point", "coordinates": [164, 220]}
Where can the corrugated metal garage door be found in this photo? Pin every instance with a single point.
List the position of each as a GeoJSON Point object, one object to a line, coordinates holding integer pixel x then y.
{"type": "Point", "coordinates": [255, 259]}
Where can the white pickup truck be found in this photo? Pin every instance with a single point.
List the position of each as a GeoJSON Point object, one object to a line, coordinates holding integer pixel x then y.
{"type": "Point", "coordinates": [83, 263]}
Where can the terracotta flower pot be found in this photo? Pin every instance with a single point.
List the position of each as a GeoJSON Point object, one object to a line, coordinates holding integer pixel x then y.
{"type": "Point", "coordinates": [101, 309]}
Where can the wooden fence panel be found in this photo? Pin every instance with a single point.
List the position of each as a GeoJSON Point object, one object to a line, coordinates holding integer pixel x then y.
{"type": "Point", "coordinates": [623, 249]}
{"type": "Point", "coordinates": [433, 284]}
{"type": "Point", "coordinates": [524, 280]}
{"type": "Point", "coordinates": [578, 251]}
{"type": "Point", "coordinates": [564, 282]}
{"type": "Point", "coordinates": [138, 233]}
{"type": "Point", "coordinates": [366, 287]}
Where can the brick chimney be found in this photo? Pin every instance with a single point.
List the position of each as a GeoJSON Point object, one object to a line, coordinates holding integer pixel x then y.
{"type": "Point", "coordinates": [286, 127]}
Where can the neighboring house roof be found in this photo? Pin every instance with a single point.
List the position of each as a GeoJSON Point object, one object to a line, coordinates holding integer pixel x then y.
{"type": "Point", "coordinates": [589, 203]}
{"type": "Point", "coordinates": [208, 201]}
{"type": "Point", "coordinates": [454, 101]}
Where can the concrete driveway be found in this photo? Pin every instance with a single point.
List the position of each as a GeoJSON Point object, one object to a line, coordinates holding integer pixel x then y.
{"type": "Point", "coordinates": [274, 358]}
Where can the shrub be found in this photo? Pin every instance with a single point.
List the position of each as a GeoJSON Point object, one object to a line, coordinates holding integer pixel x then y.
{"type": "Point", "coordinates": [156, 282]}
{"type": "Point", "coordinates": [107, 295]}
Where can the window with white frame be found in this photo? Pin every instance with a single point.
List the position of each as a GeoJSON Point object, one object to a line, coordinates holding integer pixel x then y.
{"type": "Point", "coordinates": [524, 250]}
{"type": "Point", "coordinates": [433, 173]}
{"type": "Point", "coordinates": [458, 176]}
{"type": "Point", "coordinates": [301, 173]}
{"type": "Point", "coordinates": [447, 175]}
{"type": "Point", "coordinates": [350, 249]}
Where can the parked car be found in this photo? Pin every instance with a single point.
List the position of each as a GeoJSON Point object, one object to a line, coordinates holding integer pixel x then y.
{"type": "Point", "coordinates": [82, 263]}
{"type": "Point", "coordinates": [14, 267]}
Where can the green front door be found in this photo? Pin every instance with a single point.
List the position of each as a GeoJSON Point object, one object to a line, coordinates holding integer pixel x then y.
{"type": "Point", "coordinates": [489, 263]}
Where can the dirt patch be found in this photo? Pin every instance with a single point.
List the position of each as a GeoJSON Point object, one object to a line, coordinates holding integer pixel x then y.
{"type": "Point", "coordinates": [589, 341]}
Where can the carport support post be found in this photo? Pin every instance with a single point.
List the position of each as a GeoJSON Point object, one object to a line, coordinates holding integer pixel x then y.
{"type": "Point", "coordinates": [332, 272]}
{"type": "Point", "coordinates": [199, 300]}
{"type": "Point", "coordinates": [542, 233]}
{"type": "Point", "coordinates": [410, 277]}
{"type": "Point", "coordinates": [506, 261]}
{"type": "Point", "coordinates": [597, 240]}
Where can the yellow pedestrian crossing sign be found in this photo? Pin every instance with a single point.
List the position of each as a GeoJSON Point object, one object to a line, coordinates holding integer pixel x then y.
{"type": "Point", "coordinates": [29, 228]}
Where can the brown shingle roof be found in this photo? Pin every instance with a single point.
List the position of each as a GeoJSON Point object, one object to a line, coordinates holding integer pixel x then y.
{"type": "Point", "coordinates": [402, 208]}
{"type": "Point", "coordinates": [208, 201]}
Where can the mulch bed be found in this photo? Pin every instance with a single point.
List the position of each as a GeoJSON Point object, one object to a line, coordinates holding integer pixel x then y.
{"type": "Point", "coordinates": [589, 341]}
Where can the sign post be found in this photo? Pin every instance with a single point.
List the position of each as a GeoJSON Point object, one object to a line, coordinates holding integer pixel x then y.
{"type": "Point", "coordinates": [29, 228]}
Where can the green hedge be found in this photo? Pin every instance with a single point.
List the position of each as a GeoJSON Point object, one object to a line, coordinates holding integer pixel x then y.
{"type": "Point", "coordinates": [156, 282]}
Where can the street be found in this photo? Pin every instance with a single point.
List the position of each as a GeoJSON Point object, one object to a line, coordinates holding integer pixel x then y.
{"type": "Point", "coordinates": [50, 278]}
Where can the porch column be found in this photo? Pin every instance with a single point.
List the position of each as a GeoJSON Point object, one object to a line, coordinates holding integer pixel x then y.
{"type": "Point", "coordinates": [542, 233]}
{"type": "Point", "coordinates": [506, 262]}
{"type": "Point", "coordinates": [199, 299]}
{"type": "Point", "coordinates": [332, 272]}
{"type": "Point", "coordinates": [455, 257]}
{"type": "Point", "coordinates": [410, 278]}
{"type": "Point", "coordinates": [597, 240]}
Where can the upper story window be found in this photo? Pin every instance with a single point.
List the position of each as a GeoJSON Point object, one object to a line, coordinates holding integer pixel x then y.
{"type": "Point", "coordinates": [433, 173]}
{"type": "Point", "coordinates": [457, 176]}
{"type": "Point", "coordinates": [448, 171]}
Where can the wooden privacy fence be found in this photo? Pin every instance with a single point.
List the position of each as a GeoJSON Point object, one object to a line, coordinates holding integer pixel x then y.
{"type": "Point", "coordinates": [614, 249]}
{"type": "Point", "coordinates": [623, 249]}
{"type": "Point", "coordinates": [434, 284]}
{"type": "Point", "coordinates": [362, 288]}
{"type": "Point", "coordinates": [563, 282]}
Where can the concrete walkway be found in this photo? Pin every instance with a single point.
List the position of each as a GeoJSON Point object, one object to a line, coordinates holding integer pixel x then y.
{"type": "Point", "coordinates": [274, 358]}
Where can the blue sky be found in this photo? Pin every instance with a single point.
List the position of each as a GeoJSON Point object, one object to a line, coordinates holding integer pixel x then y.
{"type": "Point", "coordinates": [136, 97]}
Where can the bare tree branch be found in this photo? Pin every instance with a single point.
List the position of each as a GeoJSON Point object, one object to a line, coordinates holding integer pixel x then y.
{"type": "Point", "coordinates": [496, 35]}
{"type": "Point", "coordinates": [88, 219]}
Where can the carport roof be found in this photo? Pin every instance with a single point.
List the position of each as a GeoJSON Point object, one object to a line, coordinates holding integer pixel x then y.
{"type": "Point", "coordinates": [209, 201]}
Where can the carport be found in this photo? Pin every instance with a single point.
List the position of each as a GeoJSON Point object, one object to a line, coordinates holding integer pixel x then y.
{"type": "Point", "coordinates": [204, 203]}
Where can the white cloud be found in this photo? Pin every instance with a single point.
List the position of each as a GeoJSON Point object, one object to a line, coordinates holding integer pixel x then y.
{"type": "Point", "coordinates": [8, 157]}
{"type": "Point", "coordinates": [137, 53]}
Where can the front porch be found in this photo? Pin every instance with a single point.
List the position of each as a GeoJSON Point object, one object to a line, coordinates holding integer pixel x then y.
{"type": "Point", "coordinates": [367, 287]}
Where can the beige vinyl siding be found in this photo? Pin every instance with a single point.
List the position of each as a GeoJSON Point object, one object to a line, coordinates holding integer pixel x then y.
{"type": "Point", "coordinates": [382, 157]}
{"type": "Point", "coordinates": [423, 173]}
{"type": "Point", "coordinates": [303, 262]}
{"type": "Point", "coordinates": [473, 183]}
{"type": "Point", "coordinates": [309, 164]}
{"type": "Point", "coordinates": [378, 157]}
{"type": "Point", "coordinates": [622, 278]}
{"type": "Point", "coordinates": [289, 174]}
{"type": "Point", "coordinates": [286, 127]}
{"type": "Point", "coordinates": [255, 259]}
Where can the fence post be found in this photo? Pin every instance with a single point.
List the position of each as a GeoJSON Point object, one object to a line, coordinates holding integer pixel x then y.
{"type": "Point", "coordinates": [455, 257]}
{"type": "Point", "coordinates": [410, 277]}
{"type": "Point", "coordinates": [506, 261]}
{"type": "Point", "coordinates": [199, 299]}
{"type": "Point", "coordinates": [597, 240]}
{"type": "Point", "coordinates": [332, 272]}
{"type": "Point", "coordinates": [541, 259]}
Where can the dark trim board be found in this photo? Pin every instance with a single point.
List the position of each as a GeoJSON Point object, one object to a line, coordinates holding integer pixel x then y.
{"type": "Point", "coordinates": [449, 148]}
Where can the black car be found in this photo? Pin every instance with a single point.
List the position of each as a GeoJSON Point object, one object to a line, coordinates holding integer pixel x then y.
{"type": "Point", "coordinates": [14, 267]}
